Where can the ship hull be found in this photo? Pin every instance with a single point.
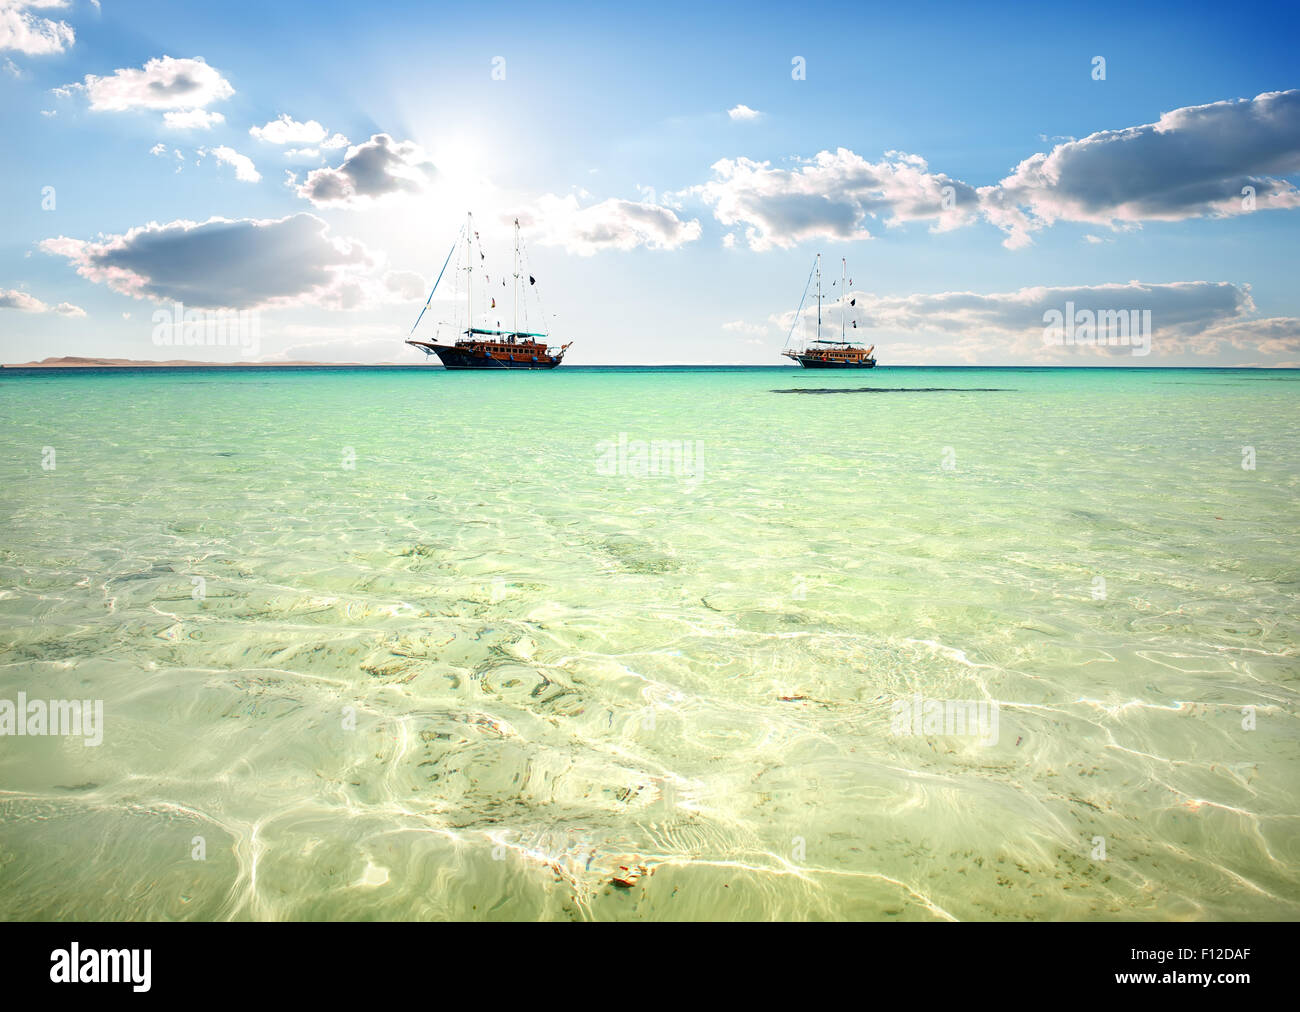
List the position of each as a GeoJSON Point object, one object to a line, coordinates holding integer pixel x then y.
{"type": "Point", "coordinates": [821, 360]}
{"type": "Point", "coordinates": [453, 357]}
{"type": "Point", "coordinates": [815, 363]}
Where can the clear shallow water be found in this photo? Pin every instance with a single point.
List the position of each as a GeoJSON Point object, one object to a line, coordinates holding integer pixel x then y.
{"type": "Point", "coordinates": [557, 670]}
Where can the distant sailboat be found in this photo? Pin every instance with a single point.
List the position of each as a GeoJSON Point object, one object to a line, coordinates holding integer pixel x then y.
{"type": "Point", "coordinates": [482, 347]}
{"type": "Point", "coordinates": [822, 352]}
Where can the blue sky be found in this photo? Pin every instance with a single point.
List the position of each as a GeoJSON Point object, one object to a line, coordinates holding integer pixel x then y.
{"type": "Point", "coordinates": [664, 222]}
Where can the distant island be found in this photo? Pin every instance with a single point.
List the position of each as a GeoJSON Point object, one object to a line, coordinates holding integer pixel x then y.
{"type": "Point", "coordinates": [77, 362]}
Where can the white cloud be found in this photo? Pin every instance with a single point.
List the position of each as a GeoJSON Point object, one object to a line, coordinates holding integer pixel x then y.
{"type": "Point", "coordinates": [1216, 160]}
{"type": "Point", "coordinates": [286, 130]}
{"type": "Point", "coordinates": [14, 299]}
{"type": "Point", "coordinates": [1278, 335]}
{"type": "Point", "coordinates": [405, 286]}
{"type": "Point", "coordinates": [743, 112]}
{"type": "Point", "coordinates": [610, 224]}
{"type": "Point", "coordinates": [378, 169]}
{"type": "Point", "coordinates": [832, 196]}
{"type": "Point", "coordinates": [25, 303]}
{"type": "Point", "coordinates": [163, 83]}
{"type": "Point", "coordinates": [343, 344]}
{"type": "Point", "coordinates": [741, 327]}
{"type": "Point", "coordinates": [192, 119]}
{"type": "Point", "coordinates": [244, 168]}
{"type": "Point", "coordinates": [159, 149]}
{"type": "Point", "coordinates": [25, 32]}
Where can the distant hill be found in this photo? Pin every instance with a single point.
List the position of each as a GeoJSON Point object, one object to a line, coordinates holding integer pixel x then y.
{"type": "Point", "coordinates": [78, 362]}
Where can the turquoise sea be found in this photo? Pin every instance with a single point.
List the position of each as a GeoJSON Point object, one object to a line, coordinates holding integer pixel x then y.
{"type": "Point", "coordinates": [403, 643]}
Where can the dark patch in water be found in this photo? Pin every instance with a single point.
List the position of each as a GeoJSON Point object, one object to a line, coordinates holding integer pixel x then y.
{"type": "Point", "coordinates": [638, 556]}
{"type": "Point", "coordinates": [152, 573]}
{"type": "Point", "coordinates": [891, 390]}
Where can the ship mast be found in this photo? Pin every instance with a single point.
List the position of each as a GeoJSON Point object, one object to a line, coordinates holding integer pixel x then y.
{"type": "Point", "coordinates": [516, 330]}
{"type": "Point", "coordinates": [844, 298]}
{"type": "Point", "coordinates": [469, 267]}
{"type": "Point", "coordinates": [819, 297]}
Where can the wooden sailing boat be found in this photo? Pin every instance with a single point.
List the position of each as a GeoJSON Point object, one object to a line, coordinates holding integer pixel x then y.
{"type": "Point", "coordinates": [822, 352]}
{"type": "Point", "coordinates": [483, 347]}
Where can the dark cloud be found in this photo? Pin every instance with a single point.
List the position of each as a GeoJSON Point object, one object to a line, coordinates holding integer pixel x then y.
{"type": "Point", "coordinates": [1193, 162]}
{"type": "Point", "coordinates": [378, 168]}
{"type": "Point", "coordinates": [223, 263]}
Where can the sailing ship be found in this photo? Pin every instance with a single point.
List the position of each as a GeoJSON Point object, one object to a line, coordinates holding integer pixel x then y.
{"type": "Point", "coordinates": [484, 347]}
{"type": "Point", "coordinates": [823, 352]}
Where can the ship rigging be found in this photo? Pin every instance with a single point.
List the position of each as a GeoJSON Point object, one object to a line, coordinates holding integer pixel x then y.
{"type": "Point", "coordinates": [825, 352]}
{"type": "Point", "coordinates": [474, 345]}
